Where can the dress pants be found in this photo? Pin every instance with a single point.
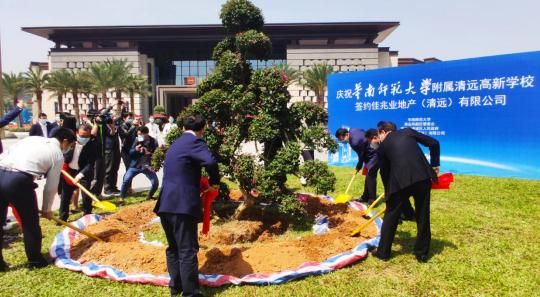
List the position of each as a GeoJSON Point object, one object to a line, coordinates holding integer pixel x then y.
{"type": "Point", "coordinates": [67, 192]}
{"type": "Point", "coordinates": [182, 262]}
{"type": "Point", "coordinates": [421, 192]}
{"type": "Point", "coordinates": [99, 176]}
{"type": "Point", "coordinates": [17, 189]}
{"type": "Point", "coordinates": [370, 185]}
{"type": "Point", "coordinates": [112, 165]}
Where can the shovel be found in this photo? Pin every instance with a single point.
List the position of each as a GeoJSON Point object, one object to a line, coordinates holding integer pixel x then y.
{"type": "Point", "coordinates": [344, 197]}
{"type": "Point", "coordinates": [366, 223]}
{"type": "Point", "coordinates": [105, 205]}
{"type": "Point", "coordinates": [370, 208]}
{"type": "Point", "coordinates": [71, 226]}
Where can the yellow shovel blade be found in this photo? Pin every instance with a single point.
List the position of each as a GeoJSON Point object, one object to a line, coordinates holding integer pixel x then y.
{"type": "Point", "coordinates": [343, 198]}
{"type": "Point", "coordinates": [105, 205]}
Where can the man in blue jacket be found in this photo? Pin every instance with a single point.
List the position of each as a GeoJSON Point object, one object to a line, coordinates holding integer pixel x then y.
{"type": "Point", "coordinates": [179, 204]}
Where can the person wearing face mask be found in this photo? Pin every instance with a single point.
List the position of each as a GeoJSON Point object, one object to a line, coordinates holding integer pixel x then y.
{"type": "Point", "coordinates": [141, 155]}
{"type": "Point", "coordinates": [361, 142]}
{"type": "Point", "coordinates": [128, 133]}
{"type": "Point", "coordinates": [42, 127]}
{"type": "Point", "coordinates": [31, 158]}
{"type": "Point", "coordinates": [406, 172]}
{"type": "Point", "coordinates": [153, 128]}
{"type": "Point", "coordinates": [169, 126]}
{"type": "Point", "coordinates": [80, 164]}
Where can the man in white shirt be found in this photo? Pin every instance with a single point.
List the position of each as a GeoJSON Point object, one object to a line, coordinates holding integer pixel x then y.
{"type": "Point", "coordinates": [167, 128]}
{"type": "Point", "coordinates": [80, 164]}
{"type": "Point", "coordinates": [31, 158]}
{"type": "Point", "coordinates": [153, 129]}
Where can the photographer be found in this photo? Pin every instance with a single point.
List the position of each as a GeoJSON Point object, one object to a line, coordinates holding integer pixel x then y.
{"type": "Point", "coordinates": [141, 154]}
{"type": "Point", "coordinates": [111, 152]}
{"type": "Point", "coordinates": [99, 167]}
{"type": "Point", "coordinates": [128, 133]}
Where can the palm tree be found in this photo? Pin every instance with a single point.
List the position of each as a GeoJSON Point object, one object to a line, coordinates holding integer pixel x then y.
{"type": "Point", "coordinates": [102, 80]}
{"type": "Point", "coordinates": [14, 85]}
{"type": "Point", "coordinates": [137, 84]}
{"type": "Point", "coordinates": [315, 80]}
{"type": "Point", "coordinates": [292, 74]}
{"type": "Point", "coordinates": [57, 85]}
{"type": "Point", "coordinates": [75, 83]}
{"type": "Point", "coordinates": [35, 82]}
{"type": "Point", "coordinates": [120, 72]}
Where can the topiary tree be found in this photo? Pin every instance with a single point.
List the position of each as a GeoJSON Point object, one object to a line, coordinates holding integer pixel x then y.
{"type": "Point", "coordinates": [243, 105]}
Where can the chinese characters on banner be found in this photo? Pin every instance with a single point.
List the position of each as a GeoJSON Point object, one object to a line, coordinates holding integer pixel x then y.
{"type": "Point", "coordinates": [433, 94]}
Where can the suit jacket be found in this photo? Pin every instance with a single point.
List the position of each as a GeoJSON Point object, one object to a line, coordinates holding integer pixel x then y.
{"type": "Point", "coordinates": [36, 130]}
{"type": "Point", "coordinates": [182, 174]}
{"type": "Point", "coordinates": [87, 158]}
{"type": "Point", "coordinates": [357, 141]}
{"type": "Point", "coordinates": [6, 119]}
{"type": "Point", "coordinates": [402, 161]}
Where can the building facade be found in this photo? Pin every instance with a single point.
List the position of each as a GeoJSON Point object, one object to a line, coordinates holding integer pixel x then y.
{"type": "Point", "coordinates": [176, 58]}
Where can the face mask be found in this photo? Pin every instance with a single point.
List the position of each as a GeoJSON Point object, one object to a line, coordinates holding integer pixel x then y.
{"type": "Point", "coordinates": [42, 121]}
{"type": "Point", "coordinates": [140, 138]}
{"type": "Point", "coordinates": [151, 120]}
{"type": "Point", "coordinates": [83, 140]}
{"type": "Point", "coordinates": [129, 121]}
{"type": "Point", "coordinates": [65, 151]}
{"type": "Point", "coordinates": [171, 120]}
{"type": "Point", "coordinates": [374, 145]}
{"type": "Point", "coordinates": [57, 119]}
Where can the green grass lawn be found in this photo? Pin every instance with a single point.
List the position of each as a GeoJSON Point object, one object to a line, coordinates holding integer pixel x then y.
{"type": "Point", "coordinates": [486, 242]}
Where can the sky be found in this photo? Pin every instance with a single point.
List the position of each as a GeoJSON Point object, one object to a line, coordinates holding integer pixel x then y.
{"type": "Point", "coordinates": [448, 30]}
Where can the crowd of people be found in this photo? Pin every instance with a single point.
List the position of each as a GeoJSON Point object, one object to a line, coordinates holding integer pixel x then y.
{"type": "Point", "coordinates": [93, 150]}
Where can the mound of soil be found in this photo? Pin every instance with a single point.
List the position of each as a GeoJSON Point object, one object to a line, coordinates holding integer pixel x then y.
{"type": "Point", "coordinates": [235, 247]}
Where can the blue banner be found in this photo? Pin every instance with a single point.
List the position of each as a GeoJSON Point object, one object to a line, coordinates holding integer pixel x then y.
{"type": "Point", "coordinates": [484, 111]}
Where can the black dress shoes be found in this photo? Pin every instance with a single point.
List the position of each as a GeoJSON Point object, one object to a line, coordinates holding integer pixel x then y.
{"type": "Point", "coordinates": [422, 258]}
{"type": "Point", "coordinates": [3, 266]}
{"type": "Point", "coordinates": [377, 254]}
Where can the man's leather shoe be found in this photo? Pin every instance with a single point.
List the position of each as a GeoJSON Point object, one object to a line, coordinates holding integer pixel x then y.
{"type": "Point", "coordinates": [40, 264]}
{"type": "Point", "coordinates": [422, 258]}
{"type": "Point", "coordinates": [3, 266]}
{"type": "Point", "coordinates": [377, 254]}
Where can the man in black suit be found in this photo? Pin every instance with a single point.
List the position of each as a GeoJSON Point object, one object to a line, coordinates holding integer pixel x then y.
{"type": "Point", "coordinates": [80, 161]}
{"type": "Point", "coordinates": [42, 127]}
{"type": "Point", "coordinates": [179, 204]}
{"type": "Point", "coordinates": [406, 172]}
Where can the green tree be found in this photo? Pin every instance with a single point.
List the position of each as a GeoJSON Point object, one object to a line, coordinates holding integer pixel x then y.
{"type": "Point", "coordinates": [57, 84]}
{"type": "Point", "coordinates": [35, 82]}
{"type": "Point", "coordinates": [76, 84]}
{"type": "Point", "coordinates": [137, 84]}
{"type": "Point", "coordinates": [14, 86]}
{"type": "Point", "coordinates": [120, 74]}
{"type": "Point", "coordinates": [315, 79]}
{"type": "Point", "coordinates": [255, 105]}
{"type": "Point", "coordinates": [102, 80]}
{"type": "Point", "coordinates": [293, 75]}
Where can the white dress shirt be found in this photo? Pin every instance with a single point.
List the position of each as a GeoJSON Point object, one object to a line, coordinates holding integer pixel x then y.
{"type": "Point", "coordinates": [74, 164]}
{"type": "Point", "coordinates": [153, 130]}
{"type": "Point", "coordinates": [44, 129]}
{"type": "Point", "coordinates": [37, 156]}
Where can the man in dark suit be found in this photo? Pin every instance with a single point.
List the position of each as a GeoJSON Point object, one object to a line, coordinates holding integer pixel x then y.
{"type": "Point", "coordinates": [406, 172]}
{"type": "Point", "coordinates": [10, 116]}
{"type": "Point", "coordinates": [363, 143]}
{"type": "Point", "coordinates": [179, 204]}
{"type": "Point", "coordinates": [42, 127]}
{"type": "Point", "coordinates": [80, 161]}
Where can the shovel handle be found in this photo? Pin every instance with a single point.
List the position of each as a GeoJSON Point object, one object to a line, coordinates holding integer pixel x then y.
{"type": "Point", "coordinates": [90, 194]}
{"type": "Point", "coordinates": [361, 227]}
{"type": "Point", "coordinates": [71, 226]}
{"type": "Point", "coordinates": [373, 204]}
{"type": "Point", "coordinates": [350, 183]}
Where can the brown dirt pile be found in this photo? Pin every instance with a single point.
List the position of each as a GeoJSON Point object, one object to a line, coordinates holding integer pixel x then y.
{"type": "Point", "coordinates": [236, 247]}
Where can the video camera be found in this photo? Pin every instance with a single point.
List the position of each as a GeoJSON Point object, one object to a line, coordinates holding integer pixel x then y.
{"type": "Point", "coordinates": [103, 117]}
